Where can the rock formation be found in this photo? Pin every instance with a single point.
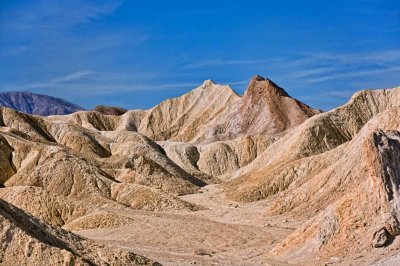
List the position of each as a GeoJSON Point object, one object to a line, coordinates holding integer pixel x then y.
{"type": "Point", "coordinates": [110, 110]}
{"type": "Point", "coordinates": [354, 197]}
{"type": "Point", "coordinates": [318, 134]}
{"type": "Point", "coordinates": [207, 170]}
{"type": "Point", "coordinates": [27, 240]}
{"type": "Point", "coordinates": [264, 109]}
{"type": "Point", "coordinates": [184, 118]}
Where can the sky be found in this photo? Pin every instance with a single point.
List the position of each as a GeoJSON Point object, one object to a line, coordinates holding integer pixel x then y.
{"type": "Point", "coordinates": [135, 54]}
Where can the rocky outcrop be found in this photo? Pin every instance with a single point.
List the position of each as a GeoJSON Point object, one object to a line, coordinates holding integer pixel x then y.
{"type": "Point", "coordinates": [264, 109]}
{"type": "Point", "coordinates": [187, 156]}
{"type": "Point", "coordinates": [72, 172]}
{"type": "Point", "coordinates": [184, 118]}
{"type": "Point", "coordinates": [110, 110]}
{"type": "Point", "coordinates": [360, 206]}
{"type": "Point", "coordinates": [27, 240]}
{"type": "Point", "coordinates": [41, 149]}
{"type": "Point", "coordinates": [215, 161]}
{"type": "Point", "coordinates": [97, 121]}
{"type": "Point", "coordinates": [326, 183]}
{"type": "Point", "coordinates": [223, 158]}
{"type": "Point", "coordinates": [317, 135]}
{"type": "Point", "coordinates": [209, 113]}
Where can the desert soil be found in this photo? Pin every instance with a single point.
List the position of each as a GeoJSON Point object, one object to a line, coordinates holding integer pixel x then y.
{"type": "Point", "coordinates": [223, 233]}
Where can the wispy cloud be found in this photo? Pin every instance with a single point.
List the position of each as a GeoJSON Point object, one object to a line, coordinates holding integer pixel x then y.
{"type": "Point", "coordinates": [316, 67]}
{"type": "Point", "coordinates": [87, 82]}
{"type": "Point", "coordinates": [337, 94]}
{"type": "Point", "coordinates": [96, 57]}
{"type": "Point", "coordinates": [239, 82]}
{"type": "Point", "coordinates": [355, 73]}
{"type": "Point", "coordinates": [73, 76]}
{"type": "Point", "coordinates": [374, 57]}
{"type": "Point", "coordinates": [57, 15]}
{"type": "Point", "coordinates": [310, 72]}
{"type": "Point", "coordinates": [223, 62]}
{"type": "Point", "coordinates": [58, 81]}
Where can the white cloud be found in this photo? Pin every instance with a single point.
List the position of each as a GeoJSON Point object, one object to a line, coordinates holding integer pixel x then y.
{"type": "Point", "coordinates": [87, 82]}
{"type": "Point", "coordinates": [310, 72]}
{"type": "Point", "coordinates": [57, 81]}
{"type": "Point", "coordinates": [73, 76]}
{"type": "Point", "coordinates": [356, 73]}
{"type": "Point", "coordinates": [222, 62]}
{"type": "Point", "coordinates": [48, 15]}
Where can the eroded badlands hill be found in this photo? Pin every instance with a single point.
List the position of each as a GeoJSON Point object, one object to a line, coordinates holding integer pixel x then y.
{"type": "Point", "coordinates": [208, 113]}
{"type": "Point", "coordinates": [110, 110]}
{"type": "Point", "coordinates": [198, 177]}
{"type": "Point", "coordinates": [27, 240]}
{"type": "Point", "coordinates": [264, 109]}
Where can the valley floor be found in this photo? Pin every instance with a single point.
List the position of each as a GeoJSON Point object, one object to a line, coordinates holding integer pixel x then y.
{"type": "Point", "coordinates": [224, 233]}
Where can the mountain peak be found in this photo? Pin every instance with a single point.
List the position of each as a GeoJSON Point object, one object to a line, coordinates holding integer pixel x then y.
{"type": "Point", "coordinates": [37, 104]}
{"type": "Point", "coordinates": [208, 83]}
{"type": "Point", "coordinates": [258, 78]}
{"type": "Point", "coordinates": [260, 86]}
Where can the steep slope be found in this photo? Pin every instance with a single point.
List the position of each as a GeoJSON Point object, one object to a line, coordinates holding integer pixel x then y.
{"type": "Point", "coordinates": [215, 161]}
{"type": "Point", "coordinates": [34, 164]}
{"type": "Point", "coordinates": [58, 172]}
{"type": "Point", "coordinates": [37, 104]}
{"type": "Point", "coordinates": [187, 157]}
{"type": "Point", "coordinates": [222, 158]}
{"type": "Point", "coordinates": [206, 114]}
{"type": "Point", "coordinates": [26, 240]}
{"type": "Point", "coordinates": [126, 156]}
{"type": "Point", "coordinates": [355, 197]}
{"type": "Point", "coordinates": [264, 109]}
{"type": "Point", "coordinates": [184, 118]}
{"type": "Point", "coordinates": [129, 121]}
{"type": "Point", "coordinates": [137, 159]}
{"type": "Point", "coordinates": [318, 134]}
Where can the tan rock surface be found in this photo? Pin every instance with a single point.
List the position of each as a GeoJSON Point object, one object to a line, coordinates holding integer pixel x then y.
{"type": "Point", "coordinates": [187, 156]}
{"type": "Point", "coordinates": [213, 161]}
{"type": "Point", "coordinates": [259, 179]}
{"type": "Point", "coordinates": [208, 113]}
{"type": "Point", "coordinates": [71, 175]}
{"type": "Point", "coordinates": [27, 240]}
{"type": "Point", "coordinates": [318, 134]}
{"type": "Point", "coordinates": [222, 158]}
{"type": "Point", "coordinates": [353, 197]}
{"type": "Point", "coordinates": [184, 118]}
{"type": "Point", "coordinates": [265, 108]}
{"type": "Point", "coordinates": [110, 110]}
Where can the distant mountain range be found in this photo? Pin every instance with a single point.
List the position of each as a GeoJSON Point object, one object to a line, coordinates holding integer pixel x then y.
{"type": "Point", "coordinates": [37, 104]}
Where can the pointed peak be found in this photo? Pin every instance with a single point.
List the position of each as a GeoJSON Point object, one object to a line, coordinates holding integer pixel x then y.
{"type": "Point", "coordinates": [258, 78]}
{"type": "Point", "coordinates": [208, 82]}
{"type": "Point", "coordinates": [265, 86]}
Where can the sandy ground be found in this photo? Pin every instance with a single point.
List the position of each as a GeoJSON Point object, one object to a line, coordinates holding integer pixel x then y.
{"type": "Point", "coordinates": [224, 233]}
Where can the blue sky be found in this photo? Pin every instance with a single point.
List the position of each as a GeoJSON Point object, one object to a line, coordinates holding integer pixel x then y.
{"type": "Point", "coordinates": [135, 54]}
